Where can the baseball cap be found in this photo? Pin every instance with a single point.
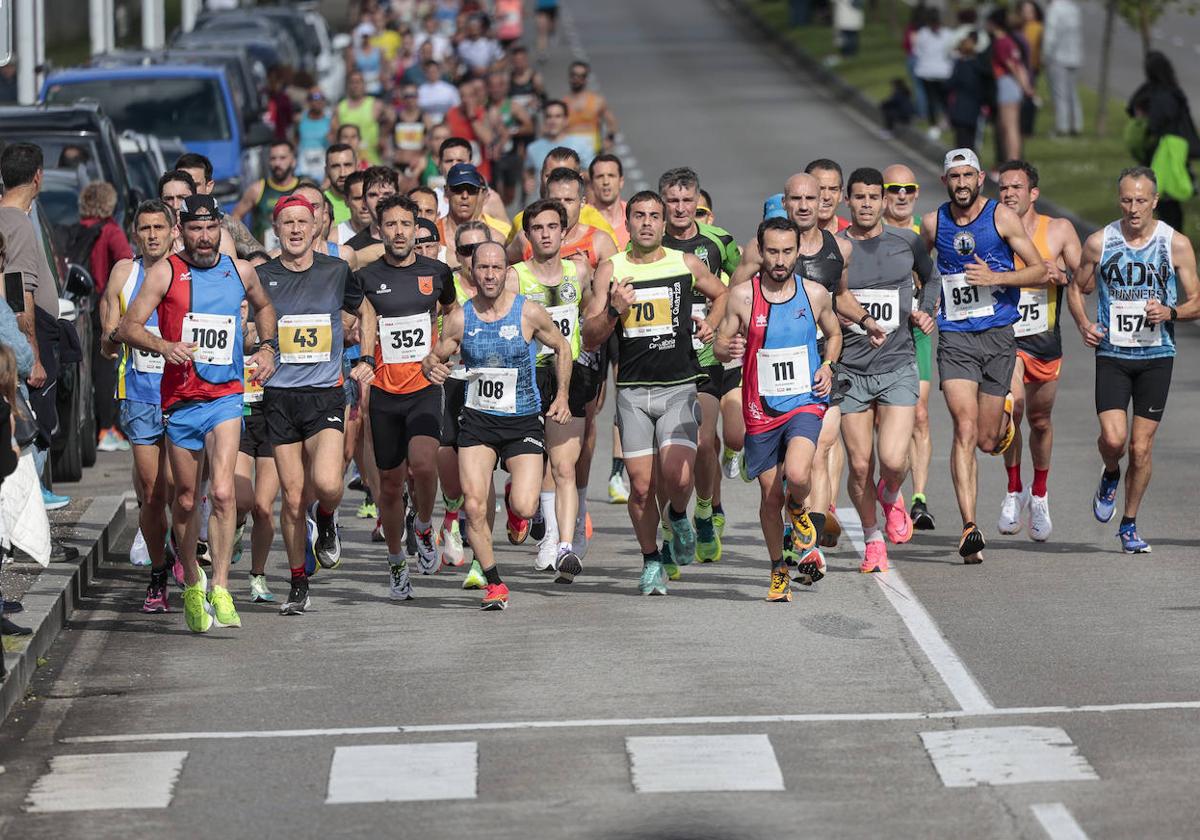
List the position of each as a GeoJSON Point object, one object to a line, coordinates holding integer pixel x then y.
{"type": "Point", "coordinates": [961, 157]}
{"type": "Point", "coordinates": [773, 208]}
{"type": "Point", "coordinates": [292, 201]}
{"type": "Point", "coordinates": [196, 207]}
{"type": "Point", "coordinates": [464, 174]}
{"type": "Point", "coordinates": [428, 230]}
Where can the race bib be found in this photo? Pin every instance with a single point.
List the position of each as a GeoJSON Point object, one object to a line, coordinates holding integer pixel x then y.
{"type": "Point", "coordinates": [1127, 325]}
{"type": "Point", "coordinates": [649, 315]}
{"type": "Point", "coordinates": [881, 304]}
{"type": "Point", "coordinates": [492, 389]}
{"type": "Point", "coordinates": [566, 318]}
{"type": "Point", "coordinates": [961, 300]}
{"type": "Point", "coordinates": [699, 310]}
{"type": "Point", "coordinates": [304, 339]}
{"type": "Point", "coordinates": [410, 136]}
{"type": "Point", "coordinates": [252, 392]}
{"type": "Point", "coordinates": [213, 336]}
{"type": "Point", "coordinates": [1034, 307]}
{"type": "Point", "coordinates": [146, 361]}
{"type": "Point", "coordinates": [312, 161]}
{"type": "Point", "coordinates": [459, 371]}
{"type": "Point", "coordinates": [784, 372]}
{"type": "Point", "coordinates": [404, 340]}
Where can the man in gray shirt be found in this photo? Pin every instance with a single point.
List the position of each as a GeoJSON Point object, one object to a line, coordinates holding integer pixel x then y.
{"type": "Point", "coordinates": [883, 375]}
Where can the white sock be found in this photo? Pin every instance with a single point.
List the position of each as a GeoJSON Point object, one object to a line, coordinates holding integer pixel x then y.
{"type": "Point", "coordinates": [564, 547]}
{"type": "Point", "coordinates": [890, 496]}
{"type": "Point", "coordinates": [549, 514]}
{"type": "Point", "coordinates": [422, 526]}
{"type": "Point", "coordinates": [396, 559]}
{"type": "Point", "coordinates": [871, 533]}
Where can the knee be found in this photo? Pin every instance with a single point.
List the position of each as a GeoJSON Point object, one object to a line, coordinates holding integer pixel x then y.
{"type": "Point", "coordinates": [921, 421]}
{"type": "Point", "coordinates": [859, 465]}
{"type": "Point", "coordinates": [1018, 411]}
{"type": "Point", "coordinates": [291, 503]}
{"type": "Point", "coordinates": [185, 500]}
{"type": "Point", "coordinates": [1040, 421]}
{"type": "Point", "coordinates": [221, 495]}
{"type": "Point", "coordinates": [772, 500]}
{"type": "Point", "coordinates": [1139, 451]}
{"type": "Point", "coordinates": [477, 510]}
{"type": "Point", "coordinates": [639, 488]}
{"type": "Point", "coordinates": [563, 474]}
{"type": "Point", "coordinates": [1111, 445]}
{"type": "Point", "coordinates": [987, 440]}
{"type": "Point", "coordinates": [261, 512]}
{"type": "Point", "coordinates": [966, 433]}
{"type": "Point", "coordinates": [390, 489]}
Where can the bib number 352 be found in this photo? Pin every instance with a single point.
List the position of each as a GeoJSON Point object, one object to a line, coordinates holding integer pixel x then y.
{"type": "Point", "coordinates": [493, 390]}
{"type": "Point", "coordinates": [212, 335]}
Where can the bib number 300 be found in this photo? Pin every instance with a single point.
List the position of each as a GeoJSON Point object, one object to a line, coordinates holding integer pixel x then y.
{"type": "Point", "coordinates": [493, 390]}
{"type": "Point", "coordinates": [212, 335]}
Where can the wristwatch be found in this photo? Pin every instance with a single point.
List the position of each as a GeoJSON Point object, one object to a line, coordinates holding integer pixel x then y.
{"type": "Point", "coordinates": [112, 336]}
{"type": "Point", "coordinates": [365, 360]}
{"type": "Point", "coordinates": [613, 313]}
{"type": "Point", "coordinates": [863, 319]}
{"type": "Point", "coordinates": [1174, 314]}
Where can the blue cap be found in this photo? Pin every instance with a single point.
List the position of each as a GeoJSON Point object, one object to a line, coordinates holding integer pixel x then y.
{"type": "Point", "coordinates": [773, 208]}
{"type": "Point", "coordinates": [464, 174]}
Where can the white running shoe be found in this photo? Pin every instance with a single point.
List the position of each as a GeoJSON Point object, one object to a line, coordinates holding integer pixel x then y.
{"type": "Point", "coordinates": [400, 587]}
{"type": "Point", "coordinates": [259, 593]}
{"type": "Point", "coordinates": [1010, 512]}
{"type": "Point", "coordinates": [428, 561]}
{"type": "Point", "coordinates": [1040, 525]}
{"type": "Point", "coordinates": [139, 555]}
{"type": "Point", "coordinates": [547, 552]}
{"type": "Point", "coordinates": [731, 463]}
{"type": "Point", "coordinates": [452, 545]}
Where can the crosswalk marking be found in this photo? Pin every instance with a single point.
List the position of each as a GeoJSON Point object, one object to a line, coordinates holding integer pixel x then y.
{"type": "Point", "coordinates": [1006, 755]}
{"type": "Point", "coordinates": [403, 772]}
{"type": "Point", "coordinates": [690, 763]}
{"type": "Point", "coordinates": [107, 782]}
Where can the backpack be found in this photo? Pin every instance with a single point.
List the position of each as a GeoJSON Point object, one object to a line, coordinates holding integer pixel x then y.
{"type": "Point", "coordinates": [78, 240]}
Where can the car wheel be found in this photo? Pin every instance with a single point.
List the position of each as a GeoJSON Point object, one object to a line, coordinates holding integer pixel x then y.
{"type": "Point", "coordinates": [68, 463]}
{"type": "Point", "coordinates": [88, 439]}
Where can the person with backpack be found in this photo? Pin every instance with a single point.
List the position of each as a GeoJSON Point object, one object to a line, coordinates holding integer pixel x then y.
{"type": "Point", "coordinates": [1163, 136]}
{"type": "Point", "coordinates": [97, 242]}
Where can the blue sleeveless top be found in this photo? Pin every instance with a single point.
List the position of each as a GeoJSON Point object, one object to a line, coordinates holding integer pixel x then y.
{"type": "Point", "coordinates": [219, 291]}
{"type": "Point", "coordinates": [134, 384]}
{"type": "Point", "coordinates": [1125, 278]}
{"type": "Point", "coordinates": [501, 345]}
{"type": "Point", "coordinates": [776, 326]}
{"type": "Point", "coordinates": [957, 247]}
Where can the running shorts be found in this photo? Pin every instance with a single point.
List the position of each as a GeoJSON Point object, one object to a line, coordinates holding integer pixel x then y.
{"type": "Point", "coordinates": [255, 441]}
{"type": "Point", "coordinates": [767, 450]}
{"type": "Point", "coordinates": [987, 357]}
{"type": "Point", "coordinates": [720, 380]}
{"type": "Point", "coordinates": [1039, 370]}
{"type": "Point", "coordinates": [894, 387]}
{"type": "Point", "coordinates": [585, 385]}
{"type": "Point", "coordinates": [189, 423]}
{"type": "Point", "coordinates": [507, 436]}
{"type": "Point", "coordinates": [398, 418]}
{"type": "Point", "coordinates": [652, 417]}
{"type": "Point", "coordinates": [453, 401]}
{"type": "Point", "coordinates": [1144, 382]}
{"type": "Point", "coordinates": [142, 422]}
{"type": "Point", "coordinates": [297, 414]}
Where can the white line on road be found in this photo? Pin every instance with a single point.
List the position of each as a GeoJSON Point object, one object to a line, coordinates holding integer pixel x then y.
{"type": "Point", "coordinates": [1005, 755]}
{"type": "Point", "coordinates": [953, 671]}
{"type": "Point", "coordinates": [598, 723]}
{"type": "Point", "coordinates": [1057, 821]}
{"type": "Point", "coordinates": [703, 763]}
{"type": "Point", "coordinates": [403, 773]}
{"type": "Point", "coordinates": [107, 782]}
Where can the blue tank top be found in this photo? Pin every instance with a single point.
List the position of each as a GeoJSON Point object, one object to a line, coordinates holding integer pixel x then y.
{"type": "Point", "coordinates": [219, 291]}
{"type": "Point", "coordinates": [1127, 277]}
{"type": "Point", "coordinates": [783, 327]}
{"type": "Point", "coordinates": [500, 364]}
{"type": "Point", "coordinates": [140, 373]}
{"type": "Point", "coordinates": [313, 132]}
{"type": "Point", "coordinates": [957, 247]}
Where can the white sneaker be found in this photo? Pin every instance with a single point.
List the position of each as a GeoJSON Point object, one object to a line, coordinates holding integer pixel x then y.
{"type": "Point", "coordinates": [139, 555]}
{"type": "Point", "coordinates": [400, 587]}
{"type": "Point", "coordinates": [731, 463]}
{"type": "Point", "coordinates": [1040, 525]}
{"type": "Point", "coordinates": [259, 593]}
{"type": "Point", "coordinates": [547, 552]}
{"type": "Point", "coordinates": [1010, 512]}
{"type": "Point", "coordinates": [428, 561]}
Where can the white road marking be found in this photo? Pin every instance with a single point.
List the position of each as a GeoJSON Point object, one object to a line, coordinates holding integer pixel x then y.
{"type": "Point", "coordinates": [703, 763]}
{"type": "Point", "coordinates": [1006, 755]}
{"type": "Point", "coordinates": [599, 723]}
{"type": "Point", "coordinates": [1057, 821]}
{"type": "Point", "coordinates": [403, 773]}
{"type": "Point", "coordinates": [953, 671]}
{"type": "Point", "coordinates": [107, 782]}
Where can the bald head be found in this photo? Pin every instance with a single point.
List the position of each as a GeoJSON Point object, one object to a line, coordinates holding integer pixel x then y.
{"type": "Point", "coordinates": [899, 195]}
{"type": "Point", "coordinates": [801, 195]}
{"type": "Point", "coordinates": [898, 173]}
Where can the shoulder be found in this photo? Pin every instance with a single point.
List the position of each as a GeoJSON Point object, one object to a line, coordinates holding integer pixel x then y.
{"type": "Point", "coordinates": [1095, 242]}
{"type": "Point", "coordinates": [818, 295]}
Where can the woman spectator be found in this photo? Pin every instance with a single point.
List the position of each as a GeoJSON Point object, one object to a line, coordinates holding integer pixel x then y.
{"type": "Point", "coordinates": [967, 94]}
{"type": "Point", "coordinates": [1032, 30]}
{"type": "Point", "coordinates": [932, 46]}
{"type": "Point", "coordinates": [915, 21]}
{"type": "Point", "coordinates": [1163, 107]}
{"type": "Point", "coordinates": [1012, 85]}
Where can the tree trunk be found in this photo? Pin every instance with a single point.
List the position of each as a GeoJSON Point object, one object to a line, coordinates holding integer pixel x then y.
{"type": "Point", "coordinates": [1110, 15]}
{"type": "Point", "coordinates": [1144, 26]}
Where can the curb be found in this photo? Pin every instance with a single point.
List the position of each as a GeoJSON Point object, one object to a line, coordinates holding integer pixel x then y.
{"type": "Point", "coordinates": [53, 596]}
{"type": "Point", "coordinates": [851, 97]}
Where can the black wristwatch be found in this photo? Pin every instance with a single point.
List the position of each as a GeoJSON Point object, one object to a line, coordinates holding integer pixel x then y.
{"type": "Point", "coordinates": [863, 319]}
{"type": "Point", "coordinates": [365, 360]}
{"type": "Point", "coordinates": [273, 343]}
{"type": "Point", "coordinates": [1174, 314]}
{"type": "Point", "coordinates": [613, 313]}
{"type": "Point", "coordinates": [112, 336]}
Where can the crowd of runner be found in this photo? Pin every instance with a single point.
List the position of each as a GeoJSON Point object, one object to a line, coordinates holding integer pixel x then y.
{"type": "Point", "coordinates": [398, 328]}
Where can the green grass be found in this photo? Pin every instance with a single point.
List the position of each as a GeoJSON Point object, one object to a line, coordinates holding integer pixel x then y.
{"type": "Point", "coordinates": [74, 53]}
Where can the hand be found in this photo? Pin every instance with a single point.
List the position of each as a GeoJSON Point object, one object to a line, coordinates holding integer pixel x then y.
{"type": "Point", "coordinates": [109, 349]}
{"type": "Point", "coordinates": [265, 358]}
{"type": "Point", "coordinates": [1055, 274]}
{"type": "Point", "coordinates": [559, 411]}
{"type": "Point", "coordinates": [737, 347]}
{"type": "Point", "coordinates": [704, 330]}
{"type": "Point", "coordinates": [823, 381]}
{"type": "Point", "coordinates": [978, 273]}
{"type": "Point", "coordinates": [1092, 334]}
{"type": "Point", "coordinates": [622, 294]}
{"type": "Point", "coordinates": [1156, 312]}
{"type": "Point", "coordinates": [435, 371]}
{"type": "Point", "coordinates": [923, 321]}
{"type": "Point", "coordinates": [353, 334]}
{"type": "Point", "coordinates": [178, 353]}
{"type": "Point", "coordinates": [362, 373]}
{"type": "Point", "coordinates": [876, 333]}
{"type": "Point", "coordinates": [37, 376]}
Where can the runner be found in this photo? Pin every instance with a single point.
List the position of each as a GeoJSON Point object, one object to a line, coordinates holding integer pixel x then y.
{"type": "Point", "coordinates": [356, 201]}
{"type": "Point", "coordinates": [772, 323]}
{"type": "Point", "coordinates": [403, 292]}
{"type": "Point", "coordinates": [138, 391]}
{"type": "Point", "coordinates": [1039, 351]}
{"type": "Point", "coordinates": [201, 170]}
{"type": "Point", "coordinates": [562, 157]}
{"type": "Point", "coordinates": [260, 199]}
{"type": "Point", "coordinates": [379, 182]}
{"type": "Point", "coordinates": [884, 383]}
{"type": "Point", "coordinates": [581, 242]}
{"type": "Point", "coordinates": [646, 295]}
{"type": "Point", "coordinates": [466, 190]}
{"type": "Point", "coordinates": [198, 296]}
{"type": "Point", "coordinates": [829, 180]}
{"type": "Point", "coordinates": [368, 113]}
{"type": "Point", "coordinates": [976, 240]}
{"type": "Point", "coordinates": [452, 152]}
{"type": "Point", "coordinates": [590, 122]}
{"type": "Point", "coordinates": [1145, 274]}
{"type": "Point", "coordinates": [340, 161]}
{"type": "Point", "coordinates": [496, 331]}
{"type": "Point", "coordinates": [173, 187]}
{"type": "Point", "coordinates": [900, 195]}
{"type": "Point", "coordinates": [607, 177]}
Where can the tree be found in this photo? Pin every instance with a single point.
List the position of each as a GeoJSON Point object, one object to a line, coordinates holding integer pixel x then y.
{"type": "Point", "coordinates": [1143, 14]}
{"type": "Point", "coordinates": [1110, 13]}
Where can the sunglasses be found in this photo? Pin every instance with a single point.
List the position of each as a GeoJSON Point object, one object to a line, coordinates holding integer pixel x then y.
{"type": "Point", "coordinates": [896, 189]}
{"type": "Point", "coordinates": [467, 250]}
{"type": "Point", "coordinates": [428, 240]}
{"type": "Point", "coordinates": [466, 188]}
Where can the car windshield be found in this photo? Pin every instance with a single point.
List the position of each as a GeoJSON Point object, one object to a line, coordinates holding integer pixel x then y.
{"type": "Point", "coordinates": [53, 146]}
{"type": "Point", "coordinates": [188, 108]}
{"type": "Point", "coordinates": [60, 204]}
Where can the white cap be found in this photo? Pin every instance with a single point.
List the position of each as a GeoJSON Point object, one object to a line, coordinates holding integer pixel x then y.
{"type": "Point", "coordinates": [960, 157]}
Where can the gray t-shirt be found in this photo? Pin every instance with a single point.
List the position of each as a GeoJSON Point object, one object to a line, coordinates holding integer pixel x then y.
{"type": "Point", "coordinates": [881, 278]}
{"type": "Point", "coordinates": [24, 253]}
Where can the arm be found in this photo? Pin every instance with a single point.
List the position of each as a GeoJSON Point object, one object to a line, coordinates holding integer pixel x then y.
{"type": "Point", "coordinates": [264, 321]}
{"type": "Point", "coordinates": [26, 321]}
{"type": "Point", "coordinates": [605, 246]}
{"type": "Point", "coordinates": [243, 241]}
{"type": "Point", "coordinates": [1188, 307]}
{"type": "Point", "coordinates": [132, 328]}
{"type": "Point", "coordinates": [749, 265]}
{"type": "Point", "coordinates": [607, 298]}
{"type": "Point", "coordinates": [608, 121]}
{"type": "Point", "coordinates": [434, 365]}
{"type": "Point", "coordinates": [705, 282]}
{"type": "Point", "coordinates": [515, 249]}
{"type": "Point", "coordinates": [827, 319]}
{"type": "Point", "coordinates": [11, 335]}
{"type": "Point", "coordinates": [545, 331]}
{"type": "Point", "coordinates": [1033, 275]}
{"type": "Point", "coordinates": [1069, 254]}
{"type": "Point", "coordinates": [730, 343]}
{"type": "Point", "coordinates": [249, 198]}
{"type": "Point", "coordinates": [524, 121]}
{"type": "Point", "coordinates": [110, 308]}
{"type": "Point", "coordinates": [1082, 283]}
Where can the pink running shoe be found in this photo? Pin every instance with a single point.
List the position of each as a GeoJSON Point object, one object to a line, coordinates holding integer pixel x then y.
{"type": "Point", "coordinates": [875, 558]}
{"type": "Point", "coordinates": [898, 527]}
{"type": "Point", "coordinates": [156, 599]}
{"type": "Point", "coordinates": [177, 573]}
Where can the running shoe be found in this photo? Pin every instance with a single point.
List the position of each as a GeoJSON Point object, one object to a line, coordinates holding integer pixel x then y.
{"type": "Point", "coordinates": [139, 554]}
{"type": "Point", "coordinates": [297, 600]}
{"type": "Point", "coordinates": [53, 501]}
{"type": "Point", "coordinates": [568, 566]}
{"type": "Point", "coordinates": [259, 593]}
{"type": "Point", "coordinates": [1010, 430]}
{"type": "Point", "coordinates": [410, 529]}
{"type": "Point", "coordinates": [970, 544]}
{"type": "Point", "coordinates": [618, 493]}
{"type": "Point", "coordinates": [804, 533]}
{"type": "Point", "coordinates": [811, 567]}
{"type": "Point", "coordinates": [495, 597]}
{"type": "Point", "coordinates": [224, 613]}
{"type": "Point", "coordinates": [669, 566]}
{"type": "Point", "coordinates": [367, 510]}
{"type": "Point", "coordinates": [731, 463]}
{"type": "Point", "coordinates": [1104, 503]}
{"type": "Point", "coordinates": [921, 517]}
{"type": "Point", "coordinates": [156, 598]}
{"type": "Point", "coordinates": [196, 610]}
{"type": "Point", "coordinates": [377, 531]}
{"type": "Point", "coordinates": [1131, 543]}
{"type": "Point", "coordinates": [875, 557]}
{"type": "Point", "coordinates": [328, 544]}
{"type": "Point", "coordinates": [708, 544]}
{"type": "Point", "coordinates": [111, 441]}
{"type": "Point", "coordinates": [452, 544]}
{"type": "Point", "coordinates": [833, 529]}
{"type": "Point", "coordinates": [719, 522]}
{"type": "Point", "coordinates": [1012, 511]}
{"type": "Point", "coordinates": [310, 545]}
{"type": "Point", "coordinates": [518, 528]}
{"type": "Point", "coordinates": [683, 541]}
{"type": "Point", "coordinates": [203, 553]}
{"type": "Point", "coordinates": [356, 482]}
{"type": "Point", "coordinates": [399, 586]}
{"type": "Point", "coordinates": [427, 552]}
{"type": "Point", "coordinates": [781, 585]}
{"type": "Point", "coordinates": [1040, 525]}
{"type": "Point", "coordinates": [789, 551]}
{"type": "Point", "coordinates": [238, 539]}
{"type": "Point", "coordinates": [653, 580]}
{"type": "Point", "coordinates": [547, 553]}
{"type": "Point", "coordinates": [474, 578]}
{"type": "Point", "coordinates": [537, 525]}
{"type": "Point", "coordinates": [587, 526]}
{"type": "Point", "coordinates": [897, 525]}
{"type": "Point", "coordinates": [177, 573]}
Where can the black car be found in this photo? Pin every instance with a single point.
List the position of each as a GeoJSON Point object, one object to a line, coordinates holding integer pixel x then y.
{"type": "Point", "coordinates": [277, 19]}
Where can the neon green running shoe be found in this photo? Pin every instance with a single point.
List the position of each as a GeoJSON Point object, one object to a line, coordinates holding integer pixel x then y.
{"type": "Point", "coordinates": [223, 609]}
{"type": "Point", "coordinates": [669, 567]}
{"type": "Point", "coordinates": [196, 610]}
{"type": "Point", "coordinates": [708, 543]}
{"type": "Point", "coordinates": [474, 578]}
{"type": "Point", "coordinates": [718, 519]}
{"type": "Point", "coordinates": [368, 510]}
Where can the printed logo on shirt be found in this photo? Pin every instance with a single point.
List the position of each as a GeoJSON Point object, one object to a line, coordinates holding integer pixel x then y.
{"type": "Point", "coordinates": [508, 332]}
{"type": "Point", "coordinates": [964, 243]}
{"type": "Point", "coordinates": [425, 285]}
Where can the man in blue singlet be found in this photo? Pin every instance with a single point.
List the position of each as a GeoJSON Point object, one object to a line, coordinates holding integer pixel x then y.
{"type": "Point", "coordinates": [1145, 273]}
{"type": "Point", "coordinates": [976, 239]}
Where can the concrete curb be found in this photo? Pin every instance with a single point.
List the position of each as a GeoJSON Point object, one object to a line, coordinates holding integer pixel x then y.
{"type": "Point", "coordinates": [52, 598]}
{"type": "Point", "coordinates": [851, 97]}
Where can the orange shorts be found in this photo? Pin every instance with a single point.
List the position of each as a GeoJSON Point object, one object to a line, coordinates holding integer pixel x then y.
{"type": "Point", "coordinates": [1037, 370]}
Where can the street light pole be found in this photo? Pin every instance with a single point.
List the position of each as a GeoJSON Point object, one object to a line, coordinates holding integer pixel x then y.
{"type": "Point", "coordinates": [152, 24]}
{"type": "Point", "coordinates": [26, 51]}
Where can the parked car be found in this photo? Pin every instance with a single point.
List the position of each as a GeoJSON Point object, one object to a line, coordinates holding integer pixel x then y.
{"type": "Point", "coordinates": [143, 159]}
{"type": "Point", "coordinates": [59, 196]}
{"type": "Point", "coordinates": [235, 26]}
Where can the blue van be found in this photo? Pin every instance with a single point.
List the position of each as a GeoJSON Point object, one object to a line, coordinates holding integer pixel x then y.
{"type": "Point", "coordinates": [192, 102]}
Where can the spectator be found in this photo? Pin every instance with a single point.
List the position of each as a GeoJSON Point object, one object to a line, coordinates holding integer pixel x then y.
{"type": "Point", "coordinates": [10, 331]}
{"type": "Point", "coordinates": [1169, 136]}
{"type": "Point", "coordinates": [848, 21]}
{"type": "Point", "coordinates": [312, 135]}
{"type": "Point", "coordinates": [471, 121]}
{"type": "Point", "coordinates": [1012, 85]}
{"type": "Point", "coordinates": [8, 81]}
{"type": "Point", "coordinates": [368, 113]}
{"type": "Point", "coordinates": [915, 21]}
{"type": "Point", "coordinates": [477, 50]}
{"type": "Point", "coordinates": [1062, 50]}
{"type": "Point", "coordinates": [966, 94]}
{"type": "Point", "coordinates": [932, 47]}
{"type": "Point", "coordinates": [280, 111]}
{"type": "Point", "coordinates": [898, 109]}
{"type": "Point", "coordinates": [435, 95]}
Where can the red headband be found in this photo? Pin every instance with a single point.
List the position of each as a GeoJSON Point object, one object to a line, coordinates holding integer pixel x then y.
{"type": "Point", "coordinates": [293, 201]}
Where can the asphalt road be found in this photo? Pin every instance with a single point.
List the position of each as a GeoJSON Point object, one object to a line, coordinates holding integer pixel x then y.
{"type": "Point", "coordinates": [1052, 691]}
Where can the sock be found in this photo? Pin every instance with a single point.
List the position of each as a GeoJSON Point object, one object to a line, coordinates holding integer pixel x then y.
{"type": "Point", "coordinates": [717, 508]}
{"type": "Point", "coordinates": [368, 499]}
{"type": "Point", "coordinates": [967, 526]}
{"type": "Point", "coordinates": [871, 533]}
{"type": "Point", "coordinates": [492, 575]}
{"type": "Point", "coordinates": [776, 565]}
{"type": "Point", "coordinates": [918, 497]}
{"type": "Point", "coordinates": [674, 516]}
{"type": "Point", "coordinates": [396, 560]}
{"type": "Point", "coordinates": [890, 496]}
{"type": "Point", "coordinates": [704, 508]}
{"type": "Point", "coordinates": [618, 467]}
{"type": "Point", "coordinates": [564, 547]}
{"type": "Point", "coordinates": [1014, 478]}
{"type": "Point", "coordinates": [649, 558]}
{"type": "Point", "coordinates": [549, 515]}
{"type": "Point", "coordinates": [1039, 481]}
{"type": "Point", "coordinates": [1127, 521]}
{"type": "Point", "coordinates": [299, 574]}
{"type": "Point", "coordinates": [158, 577]}
{"type": "Point", "coordinates": [818, 521]}
{"type": "Point", "coordinates": [422, 526]}
{"type": "Point", "coordinates": [1115, 475]}
{"type": "Point", "coordinates": [452, 505]}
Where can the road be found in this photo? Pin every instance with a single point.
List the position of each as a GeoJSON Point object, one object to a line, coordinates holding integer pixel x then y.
{"type": "Point", "coordinates": [1052, 691]}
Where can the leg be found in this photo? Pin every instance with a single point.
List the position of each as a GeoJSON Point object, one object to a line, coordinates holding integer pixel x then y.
{"type": "Point", "coordinates": [1114, 433]}
{"type": "Point", "coordinates": [391, 506]}
{"type": "Point", "coordinates": [895, 432]}
{"type": "Point", "coordinates": [150, 483]}
{"type": "Point", "coordinates": [643, 511]}
{"type": "Point", "coordinates": [962, 399]}
{"type": "Point", "coordinates": [1137, 477]}
{"type": "Point", "coordinates": [770, 511]}
{"type": "Point", "coordinates": [289, 465]}
{"type": "Point", "coordinates": [677, 464]}
{"type": "Point", "coordinates": [991, 421]}
{"type": "Point", "coordinates": [921, 449]}
{"type": "Point", "coordinates": [565, 443]}
{"type": "Point", "coordinates": [476, 464]}
{"type": "Point", "coordinates": [221, 445]}
{"type": "Point", "coordinates": [185, 467]}
{"type": "Point", "coordinates": [262, 534]}
{"type": "Point", "coordinates": [707, 462]}
{"type": "Point", "coordinates": [423, 472]}
{"type": "Point", "coordinates": [1039, 404]}
{"type": "Point", "coordinates": [1012, 455]}
{"type": "Point", "coordinates": [325, 465]}
{"type": "Point", "coordinates": [858, 432]}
